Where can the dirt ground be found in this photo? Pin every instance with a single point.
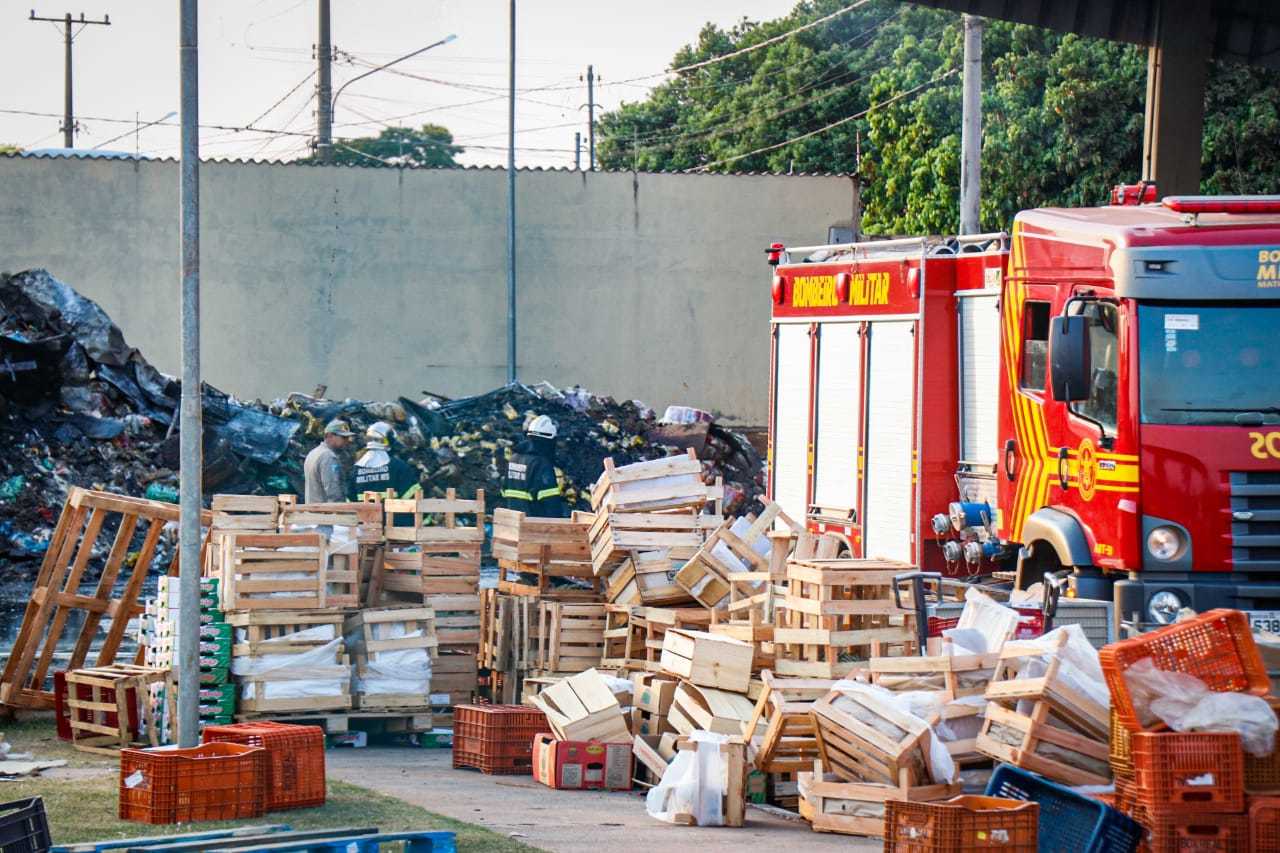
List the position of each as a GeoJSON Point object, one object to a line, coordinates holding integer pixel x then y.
{"type": "Point", "coordinates": [560, 821]}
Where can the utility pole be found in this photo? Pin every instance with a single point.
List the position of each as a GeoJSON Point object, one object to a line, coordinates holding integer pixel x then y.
{"type": "Point", "coordinates": [68, 112]}
{"type": "Point", "coordinates": [971, 129]}
{"type": "Point", "coordinates": [591, 117]}
{"type": "Point", "coordinates": [191, 436]}
{"type": "Point", "coordinates": [324, 88]}
{"type": "Point", "coordinates": [577, 151]}
{"type": "Point", "coordinates": [511, 203]}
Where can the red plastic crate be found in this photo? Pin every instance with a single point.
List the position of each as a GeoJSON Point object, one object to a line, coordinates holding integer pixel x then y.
{"type": "Point", "coordinates": [62, 714]}
{"type": "Point", "coordinates": [1216, 647]}
{"type": "Point", "coordinates": [1030, 623]}
{"type": "Point", "coordinates": [496, 733]}
{"type": "Point", "coordinates": [213, 781]}
{"type": "Point", "coordinates": [1264, 824]}
{"type": "Point", "coordinates": [938, 624]}
{"type": "Point", "coordinates": [1170, 769]}
{"type": "Point", "coordinates": [494, 765]}
{"type": "Point", "coordinates": [295, 760]}
{"type": "Point", "coordinates": [960, 825]}
{"type": "Point", "coordinates": [1204, 832]}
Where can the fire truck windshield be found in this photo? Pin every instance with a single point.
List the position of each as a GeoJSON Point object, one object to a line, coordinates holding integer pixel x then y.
{"type": "Point", "coordinates": [1209, 363]}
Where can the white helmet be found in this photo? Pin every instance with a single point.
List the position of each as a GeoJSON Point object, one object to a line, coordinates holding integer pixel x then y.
{"type": "Point", "coordinates": [541, 426]}
{"type": "Point", "coordinates": [378, 434]}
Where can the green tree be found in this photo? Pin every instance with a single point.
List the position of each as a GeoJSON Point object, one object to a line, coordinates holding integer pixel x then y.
{"type": "Point", "coordinates": [9, 149]}
{"type": "Point", "coordinates": [1063, 115]}
{"type": "Point", "coordinates": [429, 145]}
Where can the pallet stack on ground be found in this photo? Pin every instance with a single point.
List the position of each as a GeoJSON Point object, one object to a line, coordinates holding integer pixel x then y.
{"type": "Point", "coordinates": [391, 653]}
{"type": "Point", "coordinates": [289, 661]}
{"type": "Point", "coordinates": [533, 552]}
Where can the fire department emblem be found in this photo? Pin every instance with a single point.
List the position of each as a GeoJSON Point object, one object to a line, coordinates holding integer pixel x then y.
{"type": "Point", "coordinates": [1087, 466]}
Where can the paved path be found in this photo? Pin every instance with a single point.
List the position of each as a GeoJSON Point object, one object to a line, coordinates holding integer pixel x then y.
{"type": "Point", "coordinates": [561, 821]}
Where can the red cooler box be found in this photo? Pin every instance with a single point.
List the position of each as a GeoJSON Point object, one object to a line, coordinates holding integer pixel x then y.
{"type": "Point", "coordinates": [581, 765]}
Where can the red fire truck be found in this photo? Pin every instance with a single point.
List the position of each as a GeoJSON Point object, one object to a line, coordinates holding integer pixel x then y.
{"type": "Point", "coordinates": [1098, 391]}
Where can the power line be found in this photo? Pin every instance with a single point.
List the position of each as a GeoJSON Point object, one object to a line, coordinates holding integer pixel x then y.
{"type": "Point", "coordinates": [735, 158]}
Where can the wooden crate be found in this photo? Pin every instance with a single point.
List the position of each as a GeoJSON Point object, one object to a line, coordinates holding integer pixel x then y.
{"type": "Point", "coordinates": [437, 553]}
{"type": "Point", "coordinates": [582, 707]}
{"type": "Point", "coordinates": [857, 808]}
{"type": "Point", "coordinates": [707, 659]}
{"type": "Point", "coordinates": [647, 578]}
{"type": "Point", "coordinates": [671, 483]}
{"type": "Point", "coordinates": [457, 621]}
{"type": "Point", "coordinates": [619, 647]}
{"type": "Point", "coordinates": [947, 676]}
{"type": "Point", "coordinates": [455, 678]}
{"type": "Point", "coordinates": [246, 512]}
{"type": "Point", "coordinates": [88, 716]}
{"type": "Point", "coordinates": [364, 517]}
{"type": "Point", "coordinates": [864, 739]}
{"type": "Point", "coordinates": [617, 536]}
{"type": "Point", "coordinates": [259, 633]}
{"type": "Point", "coordinates": [785, 709]}
{"type": "Point", "coordinates": [695, 708]}
{"type": "Point", "coordinates": [542, 548]}
{"type": "Point", "coordinates": [650, 625]}
{"type": "Point", "coordinates": [734, 563]}
{"type": "Point", "coordinates": [570, 636]}
{"type": "Point", "coordinates": [372, 633]}
{"type": "Point", "coordinates": [57, 596]}
{"type": "Point", "coordinates": [250, 567]}
{"type": "Point", "coordinates": [834, 608]}
{"type": "Point", "coordinates": [1042, 724]}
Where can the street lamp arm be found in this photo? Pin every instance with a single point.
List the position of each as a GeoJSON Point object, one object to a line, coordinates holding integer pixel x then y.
{"type": "Point", "coordinates": [384, 66]}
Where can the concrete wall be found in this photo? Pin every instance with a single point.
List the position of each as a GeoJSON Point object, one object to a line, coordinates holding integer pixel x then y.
{"type": "Point", "coordinates": [381, 282]}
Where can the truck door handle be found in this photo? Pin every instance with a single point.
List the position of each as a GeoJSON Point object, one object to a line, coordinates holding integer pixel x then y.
{"type": "Point", "coordinates": [1063, 467]}
{"type": "Point", "coordinates": [1011, 459]}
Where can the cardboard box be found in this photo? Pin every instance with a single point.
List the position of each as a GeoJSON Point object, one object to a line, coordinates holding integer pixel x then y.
{"type": "Point", "coordinates": [581, 765]}
{"type": "Point", "coordinates": [652, 693]}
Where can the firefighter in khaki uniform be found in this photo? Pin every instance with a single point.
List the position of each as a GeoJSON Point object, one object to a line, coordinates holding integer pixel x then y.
{"type": "Point", "coordinates": [531, 485]}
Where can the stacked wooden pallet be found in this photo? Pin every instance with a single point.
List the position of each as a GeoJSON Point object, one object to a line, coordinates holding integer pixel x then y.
{"type": "Point", "coordinates": [531, 552]}
{"type": "Point", "coordinates": [391, 654]}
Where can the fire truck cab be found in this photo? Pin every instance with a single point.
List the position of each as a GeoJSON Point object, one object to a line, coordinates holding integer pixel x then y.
{"type": "Point", "coordinates": [1098, 391]}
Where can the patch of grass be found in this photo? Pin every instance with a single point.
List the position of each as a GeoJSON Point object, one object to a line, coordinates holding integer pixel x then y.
{"type": "Point", "coordinates": [85, 810]}
{"type": "Point", "coordinates": [38, 736]}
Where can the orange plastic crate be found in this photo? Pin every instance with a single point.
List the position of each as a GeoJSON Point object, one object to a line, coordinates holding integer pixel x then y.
{"type": "Point", "coordinates": [214, 781]}
{"type": "Point", "coordinates": [295, 760]}
{"type": "Point", "coordinates": [1216, 647]}
{"type": "Point", "coordinates": [1264, 824]}
{"type": "Point", "coordinates": [1171, 769]}
{"type": "Point", "coordinates": [1204, 832]}
{"type": "Point", "coordinates": [966, 823]}
{"type": "Point", "coordinates": [1121, 760]}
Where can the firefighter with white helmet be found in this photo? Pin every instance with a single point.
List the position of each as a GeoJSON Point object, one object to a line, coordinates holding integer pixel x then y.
{"type": "Point", "coordinates": [531, 485]}
{"type": "Point", "coordinates": [376, 470]}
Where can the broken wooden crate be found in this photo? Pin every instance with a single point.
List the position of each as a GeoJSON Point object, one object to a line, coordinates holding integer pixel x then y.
{"type": "Point", "coordinates": [863, 738]}
{"type": "Point", "coordinates": [570, 636]}
{"type": "Point", "coordinates": [836, 608]}
{"type": "Point", "coordinates": [59, 606]}
{"type": "Point", "coordinates": [98, 711]}
{"type": "Point", "coordinates": [289, 661]}
{"type": "Point", "coordinates": [391, 650]}
{"type": "Point", "coordinates": [437, 552]}
{"type": "Point", "coordinates": [616, 536]}
{"type": "Point", "coordinates": [707, 709]}
{"type": "Point", "coordinates": [582, 707]}
{"type": "Point", "coordinates": [649, 626]}
{"type": "Point", "coordinates": [648, 578]}
{"type": "Point", "coordinates": [1043, 723]}
{"type": "Point", "coordinates": [707, 659]}
{"type": "Point", "coordinates": [543, 548]}
{"type": "Point", "coordinates": [731, 787]}
{"type": "Point", "coordinates": [674, 482]}
{"type": "Point", "coordinates": [857, 808]}
{"type": "Point", "coordinates": [785, 710]}
{"type": "Point", "coordinates": [733, 566]}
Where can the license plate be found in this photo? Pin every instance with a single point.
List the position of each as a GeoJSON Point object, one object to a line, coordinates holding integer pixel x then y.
{"type": "Point", "coordinates": [1265, 620]}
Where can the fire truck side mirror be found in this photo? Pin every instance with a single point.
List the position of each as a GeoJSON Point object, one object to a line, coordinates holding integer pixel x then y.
{"type": "Point", "coordinates": [1069, 358]}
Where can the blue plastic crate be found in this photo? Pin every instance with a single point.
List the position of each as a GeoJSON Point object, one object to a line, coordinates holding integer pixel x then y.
{"type": "Point", "coordinates": [1068, 821]}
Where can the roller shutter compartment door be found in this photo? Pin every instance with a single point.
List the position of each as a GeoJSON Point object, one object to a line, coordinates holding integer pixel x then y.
{"type": "Point", "coordinates": [791, 420]}
{"type": "Point", "coordinates": [890, 435]}
{"type": "Point", "coordinates": [835, 476]}
{"type": "Point", "coordinates": [979, 378]}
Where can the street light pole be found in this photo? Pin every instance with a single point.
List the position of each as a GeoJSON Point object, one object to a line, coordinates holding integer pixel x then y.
{"type": "Point", "coordinates": [334, 103]}
{"type": "Point", "coordinates": [191, 434]}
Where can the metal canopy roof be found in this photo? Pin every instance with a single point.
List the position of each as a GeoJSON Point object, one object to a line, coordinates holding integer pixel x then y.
{"type": "Point", "coordinates": [1245, 31]}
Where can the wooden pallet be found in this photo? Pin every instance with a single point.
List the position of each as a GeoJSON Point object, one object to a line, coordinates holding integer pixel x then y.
{"type": "Point", "coordinates": [88, 717]}
{"type": "Point", "coordinates": [836, 608]}
{"type": "Point", "coordinates": [339, 723]}
{"type": "Point", "coordinates": [279, 632]}
{"type": "Point", "coordinates": [57, 594]}
{"type": "Point", "coordinates": [671, 483]}
{"type": "Point", "coordinates": [785, 709]}
{"type": "Point", "coordinates": [1042, 724]}
{"type": "Point", "coordinates": [250, 565]}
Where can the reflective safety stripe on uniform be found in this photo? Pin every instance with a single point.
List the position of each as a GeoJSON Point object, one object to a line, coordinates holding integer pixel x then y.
{"type": "Point", "coordinates": [517, 495]}
{"type": "Point", "coordinates": [549, 493]}
{"type": "Point", "coordinates": [412, 492]}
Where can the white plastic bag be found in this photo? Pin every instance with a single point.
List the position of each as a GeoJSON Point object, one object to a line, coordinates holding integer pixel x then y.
{"type": "Point", "coordinates": [1185, 704]}
{"type": "Point", "coordinates": [693, 783]}
{"type": "Point", "coordinates": [1079, 668]}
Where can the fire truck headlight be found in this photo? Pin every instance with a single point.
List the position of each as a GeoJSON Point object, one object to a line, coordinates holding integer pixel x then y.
{"type": "Point", "coordinates": [1164, 606]}
{"type": "Point", "coordinates": [1165, 543]}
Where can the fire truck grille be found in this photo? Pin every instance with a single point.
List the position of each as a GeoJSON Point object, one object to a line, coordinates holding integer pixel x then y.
{"type": "Point", "coordinates": [1255, 521]}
